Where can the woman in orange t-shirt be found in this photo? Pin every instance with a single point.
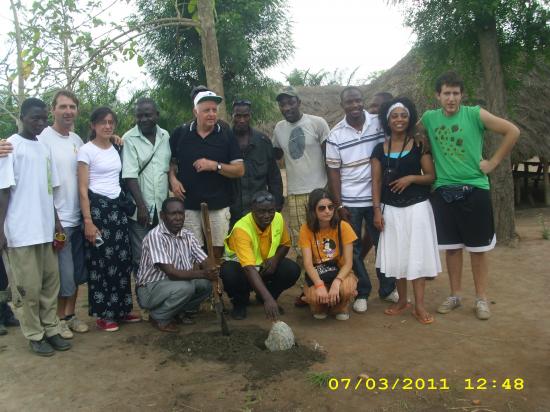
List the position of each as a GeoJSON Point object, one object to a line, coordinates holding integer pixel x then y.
{"type": "Point", "coordinates": [327, 250]}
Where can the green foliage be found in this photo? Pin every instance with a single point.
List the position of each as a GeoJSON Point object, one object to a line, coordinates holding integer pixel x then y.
{"type": "Point", "coordinates": [339, 77]}
{"type": "Point", "coordinates": [447, 34]}
{"type": "Point", "coordinates": [319, 379]}
{"type": "Point", "coordinates": [253, 35]}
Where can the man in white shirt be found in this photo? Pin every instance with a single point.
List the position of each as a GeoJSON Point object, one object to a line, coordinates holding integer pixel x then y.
{"type": "Point", "coordinates": [349, 148]}
{"type": "Point", "coordinates": [301, 137]}
{"type": "Point", "coordinates": [27, 224]}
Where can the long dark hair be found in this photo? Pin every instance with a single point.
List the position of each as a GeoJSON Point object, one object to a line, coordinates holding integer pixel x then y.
{"type": "Point", "coordinates": [98, 115]}
{"type": "Point", "coordinates": [311, 216]}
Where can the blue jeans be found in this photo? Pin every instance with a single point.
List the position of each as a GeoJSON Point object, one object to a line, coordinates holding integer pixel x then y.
{"type": "Point", "coordinates": [364, 286]}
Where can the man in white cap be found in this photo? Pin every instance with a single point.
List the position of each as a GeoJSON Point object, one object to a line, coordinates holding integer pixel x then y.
{"type": "Point", "coordinates": [205, 157]}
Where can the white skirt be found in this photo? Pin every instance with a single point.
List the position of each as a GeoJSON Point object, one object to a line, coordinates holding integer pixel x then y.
{"type": "Point", "coordinates": [407, 248]}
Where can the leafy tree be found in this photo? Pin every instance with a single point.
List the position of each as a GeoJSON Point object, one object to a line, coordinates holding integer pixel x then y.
{"type": "Point", "coordinates": [490, 42]}
{"type": "Point", "coordinates": [253, 35]}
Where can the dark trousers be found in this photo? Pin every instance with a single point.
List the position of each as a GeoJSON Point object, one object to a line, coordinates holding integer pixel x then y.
{"type": "Point", "coordinates": [238, 288]}
{"type": "Point", "coordinates": [3, 276]}
{"type": "Point", "coordinates": [364, 286]}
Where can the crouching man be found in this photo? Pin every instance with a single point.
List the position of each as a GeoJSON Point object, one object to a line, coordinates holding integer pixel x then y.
{"type": "Point", "coordinates": [168, 285]}
{"type": "Point", "coordinates": [255, 253]}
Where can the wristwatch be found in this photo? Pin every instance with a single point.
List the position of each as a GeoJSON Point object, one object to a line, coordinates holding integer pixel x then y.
{"type": "Point", "coordinates": [219, 167]}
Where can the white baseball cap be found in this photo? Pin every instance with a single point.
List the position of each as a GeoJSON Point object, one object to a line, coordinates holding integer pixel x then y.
{"type": "Point", "coordinates": [205, 96]}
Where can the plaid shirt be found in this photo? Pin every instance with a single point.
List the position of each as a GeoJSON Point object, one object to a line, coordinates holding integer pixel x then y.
{"type": "Point", "coordinates": [161, 246]}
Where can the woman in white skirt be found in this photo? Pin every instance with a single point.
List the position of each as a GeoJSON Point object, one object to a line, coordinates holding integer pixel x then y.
{"type": "Point", "coordinates": [401, 177]}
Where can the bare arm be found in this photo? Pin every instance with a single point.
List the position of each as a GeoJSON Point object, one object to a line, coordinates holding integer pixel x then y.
{"type": "Point", "coordinates": [5, 148]}
{"type": "Point", "coordinates": [376, 173]}
{"type": "Point", "coordinates": [507, 129]}
{"type": "Point", "coordinates": [142, 211]}
{"type": "Point", "coordinates": [4, 201]}
{"type": "Point", "coordinates": [177, 274]}
{"type": "Point", "coordinates": [270, 305]}
{"type": "Point", "coordinates": [230, 170]}
{"type": "Point", "coordinates": [90, 230]}
{"type": "Point", "coordinates": [175, 184]}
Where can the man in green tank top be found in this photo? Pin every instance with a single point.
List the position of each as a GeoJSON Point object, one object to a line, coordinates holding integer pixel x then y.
{"type": "Point", "coordinates": [462, 202]}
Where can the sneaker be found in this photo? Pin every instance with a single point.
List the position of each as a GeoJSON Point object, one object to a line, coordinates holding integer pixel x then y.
{"type": "Point", "coordinates": [64, 330]}
{"type": "Point", "coordinates": [392, 297]}
{"type": "Point", "coordinates": [169, 326]}
{"type": "Point", "coordinates": [342, 316]}
{"type": "Point", "coordinates": [130, 318]}
{"type": "Point", "coordinates": [482, 310]}
{"type": "Point", "coordinates": [451, 303]}
{"type": "Point", "coordinates": [320, 316]}
{"type": "Point", "coordinates": [58, 342]}
{"type": "Point", "coordinates": [360, 305]}
{"type": "Point", "coordinates": [238, 312]}
{"type": "Point", "coordinates": [76, 325]}
{"type": "Point", "coordinates": [107, 325]}
{"type": "Point", "coordinates": [41, 347]}
{"type": "Point", "coordinates": [9, 317]}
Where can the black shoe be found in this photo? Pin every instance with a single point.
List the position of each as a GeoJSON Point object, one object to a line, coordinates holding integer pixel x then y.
{"type": "Point", "coordinates": [9, 317]}
{"type": "Point", "coordinates": [41, 347]}
{"type": "Point", "coordinates": [58, 343]}
{"type": "Point", "coordinates": [238, 312]}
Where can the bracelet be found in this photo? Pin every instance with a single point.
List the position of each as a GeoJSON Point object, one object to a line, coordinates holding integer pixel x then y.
{"type": "Point", "coordinates": [319, 286]}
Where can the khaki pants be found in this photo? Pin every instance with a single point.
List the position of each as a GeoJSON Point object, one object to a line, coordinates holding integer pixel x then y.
{"type": "Point", "coordinates": [34, 278]}
{"type": "Point", "coordinates": [347, 292]}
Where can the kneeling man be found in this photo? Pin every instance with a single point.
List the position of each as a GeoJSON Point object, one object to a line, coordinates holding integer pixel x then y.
{"type": "Point", "coordinates": [255, 253]}
{"type": "Point", "coordinates": [168, 284]}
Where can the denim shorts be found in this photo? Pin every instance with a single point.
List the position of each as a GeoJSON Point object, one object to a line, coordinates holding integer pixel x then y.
{"type": "Point", "coordinates": [72, 270]}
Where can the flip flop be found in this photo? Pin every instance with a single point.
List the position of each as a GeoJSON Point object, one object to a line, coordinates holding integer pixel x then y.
{"type": "Point", "coordinates": [424, 321]}
{"type": "Point", "coordinates": [395, 312]}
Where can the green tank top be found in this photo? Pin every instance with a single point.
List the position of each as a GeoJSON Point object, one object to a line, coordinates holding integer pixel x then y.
{"type": "Point", "coordinates": [457, 144]}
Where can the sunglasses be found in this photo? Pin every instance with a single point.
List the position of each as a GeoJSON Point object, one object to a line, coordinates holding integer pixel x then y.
{"type": "Point", "coordinates": [321, 208]}
{"type": "Point", "coordinates": [242, 103]}
{"type": "Point", "coordinates": [264, 199]}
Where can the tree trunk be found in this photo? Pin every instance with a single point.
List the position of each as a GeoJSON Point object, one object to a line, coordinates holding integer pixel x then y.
{"type": "Point", "coordinates": [210, 54]}
{"type": "Point", "coordinates": [502, 184]}
{"type": "Point", "coordinates": [20, 66]}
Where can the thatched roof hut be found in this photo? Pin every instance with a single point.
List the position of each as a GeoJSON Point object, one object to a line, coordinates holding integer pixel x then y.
{"type": "Point", "coordinates": [529, 106]}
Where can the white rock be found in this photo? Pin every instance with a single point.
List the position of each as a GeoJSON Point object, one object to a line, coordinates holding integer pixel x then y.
{"type": "Point", "coordinates": [280, 337]}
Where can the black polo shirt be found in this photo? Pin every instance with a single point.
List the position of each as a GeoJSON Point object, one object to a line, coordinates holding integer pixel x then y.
{"type": "Point", "coordinates": [210, 187]}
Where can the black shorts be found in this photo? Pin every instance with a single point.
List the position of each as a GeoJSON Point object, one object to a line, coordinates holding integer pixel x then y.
{"type": "Point", "coordinates": [466, 223]}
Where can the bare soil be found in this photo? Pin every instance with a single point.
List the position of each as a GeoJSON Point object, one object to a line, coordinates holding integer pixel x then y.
{"type": "Point", "coordinates": [139, 368]}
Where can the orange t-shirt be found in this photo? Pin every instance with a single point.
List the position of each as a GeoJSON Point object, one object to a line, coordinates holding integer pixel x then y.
{"type": "Point", "coordinates": [323, 244]}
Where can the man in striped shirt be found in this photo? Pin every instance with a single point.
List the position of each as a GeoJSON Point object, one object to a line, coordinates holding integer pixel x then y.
{"type": "Point", "coordinates": [168, 284]}
{"type": "Point", "coordinates": [349, 148]}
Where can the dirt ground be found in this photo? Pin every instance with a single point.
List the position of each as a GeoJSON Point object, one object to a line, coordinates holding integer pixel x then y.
{"type": "Point", "coordinates": [139, 368]}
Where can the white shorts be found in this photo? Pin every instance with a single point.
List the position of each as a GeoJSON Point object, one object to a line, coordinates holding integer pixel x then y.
{"type": "Point", "coordinates": [219, 224]}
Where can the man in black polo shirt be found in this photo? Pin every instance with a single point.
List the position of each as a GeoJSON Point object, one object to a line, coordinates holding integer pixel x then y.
{"type": "Point", "coordinates": [261, 170]}
{"type": "Point", "coordinates": [206, 157]}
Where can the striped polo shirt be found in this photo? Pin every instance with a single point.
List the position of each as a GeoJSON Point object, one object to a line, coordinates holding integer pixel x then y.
{"type": "Point", "coordinates": [349, 150]}
{"type": "Point", "coordinates": [161, 246]}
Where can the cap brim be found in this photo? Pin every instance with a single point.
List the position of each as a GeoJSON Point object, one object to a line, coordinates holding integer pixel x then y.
{"type": "Point", "coordinates": [281, 95]}
{"type": "Point", "coordinates": [216, 99]}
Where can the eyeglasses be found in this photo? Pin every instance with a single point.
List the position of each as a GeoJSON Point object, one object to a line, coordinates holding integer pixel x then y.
{"type": "Point", "coordinates": [242, 103]}
{"type": "Point", "coordinates": [321, 208]}
{"type": "Point", "coordinates": [267, 198]}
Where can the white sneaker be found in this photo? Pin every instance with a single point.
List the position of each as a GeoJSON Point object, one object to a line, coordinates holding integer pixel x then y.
{"type": "Point", "coordinates": [482, 310]}
{"type": "Point", "coordinates": [76, 325]}
{"type": "Point", "coordinates": [342, 316]}
{"type": "Point", "coordinates": [392, 297]}
{"type": "Point", "coordinates": [65, 332]}
{"type": "Point", "coordinates": [320, 316]}
{"type": "Point", "coordinates": [360, 305]}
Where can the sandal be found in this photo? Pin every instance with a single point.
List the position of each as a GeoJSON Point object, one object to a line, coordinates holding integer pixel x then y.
{"type": "Point", "coordinates": [426, 320]}
{"type": "Point", "coordinates": [395, 312]}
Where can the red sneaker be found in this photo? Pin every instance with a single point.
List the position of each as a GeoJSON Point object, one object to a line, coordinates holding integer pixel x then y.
{"type": "Point", "coordinates": [130, 318]}
{"type": "Point", "coordinates": [107, 325]}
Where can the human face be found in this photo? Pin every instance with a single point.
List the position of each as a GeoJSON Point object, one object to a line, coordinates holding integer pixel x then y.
{"type": "Point", "coordinates": [174, 217]}
{"type": "Point", "coordinates": [353, 105]}
{"type": "Point", "coordinates": [290, 108]}
{"type": "Point", "coordinates": [241, 118]}
{"type": "Point", "coordinates": [64, 113]}
{"type": "Point", "coordinates": [207, 114]}
{"type": "Point", "coordinates": [450, 98]}
{"type": "Point", "coordinates": [105, 127]}
{"type": "Point", "coordinates": [324, 210]}
{"type": "Point", "coordinates": [263, 214]}
{"type": "Point", "coordinates": [146, 118]}
{"type": "Point", "coordinates": [34, 121]}
{"type": "Point", "coordinates": [398, 120]}
{"type": "Point", "coordinates": [374, 105]}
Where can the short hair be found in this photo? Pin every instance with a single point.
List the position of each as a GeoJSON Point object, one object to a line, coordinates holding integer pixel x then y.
{"type": "Point", "coordinates": [146, 100]}
{"type": "Point", "coordinates": [99, 114]}
{"type": "Point", "coordinates": [30, 103]}
{"type": "Point", "coordinates": [385, 96]}
{"type": "Point", "coordinates": [348, 89]}
{"type": "Point", "coordinates": [66, 93]}
{"type": "Point", "coordinates": [261, 197]}
{"type": "Point", "coordinates": [413, 116]}
{"type": "Point", "coordinates": [450, 78]}
{"type": "Point", "coordinates": [311, 214]}
{"type": "Point", "coordinates": [164, 207]}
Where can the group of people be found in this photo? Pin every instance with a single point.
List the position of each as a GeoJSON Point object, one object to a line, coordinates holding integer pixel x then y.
{"type": "Point", "coordinates": [105, 208]}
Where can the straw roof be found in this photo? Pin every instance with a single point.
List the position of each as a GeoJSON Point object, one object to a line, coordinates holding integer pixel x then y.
{"type": "Point", "coordinates": [529, 106]}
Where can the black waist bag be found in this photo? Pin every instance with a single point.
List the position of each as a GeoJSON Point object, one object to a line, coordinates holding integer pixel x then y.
{"type": "Point", "coordinates": [455, 193]}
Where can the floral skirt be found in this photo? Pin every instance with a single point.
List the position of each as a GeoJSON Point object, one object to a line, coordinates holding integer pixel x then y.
{"type": "Point", "coordinates": [109, 265]}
